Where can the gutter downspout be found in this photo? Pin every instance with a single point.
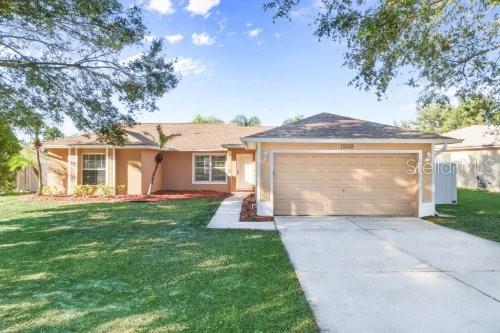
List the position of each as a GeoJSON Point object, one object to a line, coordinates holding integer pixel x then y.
{"type": "Point", "coordinates": [443, 149]}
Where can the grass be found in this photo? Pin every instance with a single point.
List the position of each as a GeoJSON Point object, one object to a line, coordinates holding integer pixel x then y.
{"type": "Point", "coordinates": [128, 267]}
{"type": "Point", "coordinates": [477, 212]}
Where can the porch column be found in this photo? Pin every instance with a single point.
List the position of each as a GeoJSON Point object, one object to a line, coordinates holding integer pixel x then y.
{"type": "Point", "coordinates": [72, 163]}
{"type": "Point", "coordinates": [110, 166]}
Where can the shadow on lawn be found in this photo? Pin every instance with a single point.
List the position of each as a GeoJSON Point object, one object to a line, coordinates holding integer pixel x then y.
{"type": "Point", "coordinates": [142, 266]}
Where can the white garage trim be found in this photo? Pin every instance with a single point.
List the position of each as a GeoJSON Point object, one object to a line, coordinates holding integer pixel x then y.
{"type": "Point", "coordinates": [428, 209]}
{"type": "Point", "coordinates": [424, 209]}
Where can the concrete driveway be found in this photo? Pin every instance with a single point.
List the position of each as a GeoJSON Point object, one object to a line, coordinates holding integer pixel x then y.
{"type": "Point", "coordinates": [368, 274]}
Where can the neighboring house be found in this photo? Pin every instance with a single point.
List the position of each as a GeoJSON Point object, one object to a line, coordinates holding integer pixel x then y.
{"type": "Point", "coordinates": [324, 165]}
{"type": "Point", "coordinates": [477, 157]}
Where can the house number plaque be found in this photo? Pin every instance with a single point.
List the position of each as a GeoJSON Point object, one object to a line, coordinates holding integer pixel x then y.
{"type": "Point", "coordinates": [347, 146]}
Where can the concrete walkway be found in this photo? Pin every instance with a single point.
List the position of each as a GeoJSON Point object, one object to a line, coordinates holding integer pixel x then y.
{"type": "Point", "coordinates": [365, 274]}
{"type": "Point", "coordinates": [228, 216]}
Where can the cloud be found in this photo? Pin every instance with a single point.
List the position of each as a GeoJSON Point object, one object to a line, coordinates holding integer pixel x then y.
{"type": "Point", "coordinates": [189, 66]}
{"type": "Point", "coordinates": [173, 39]}
{"type": "Point", "coordinates": [201, 7]}
{"type": "Point", "coordinates": [254, 32]}
{"type": "Point", "coordinates": [277, 35]}
{"type": "Point", "coordinates": [202, 39]}
{"type": "Point", "coordinates": [222, 23]}
{"type": "Point", "coordinates": [133, 57]}
{"type": "Point", "coordinates": [5, 52]}
{"type": "Point", "coordinates": [164, 7]}
{"type": "Point", "coordinates": [149, 38]}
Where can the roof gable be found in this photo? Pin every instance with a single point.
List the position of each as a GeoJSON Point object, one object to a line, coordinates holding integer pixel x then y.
{"type": "Point", "coordinates": [476, 136]}
{"type": "Point", "coordinates": [332, 126]}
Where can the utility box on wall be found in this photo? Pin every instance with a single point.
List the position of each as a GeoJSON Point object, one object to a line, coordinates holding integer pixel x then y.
{"type": "Point", "coordinates": [445, 180]}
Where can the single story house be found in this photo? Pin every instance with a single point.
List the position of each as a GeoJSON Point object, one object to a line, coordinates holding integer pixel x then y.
{"type": "Point", "coordinates": [477, 157]}
{"type": "Point", "coordinates": [324, 165]}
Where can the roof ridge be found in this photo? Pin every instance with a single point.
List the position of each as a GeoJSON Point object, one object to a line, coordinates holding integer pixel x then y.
{"type": "Point", "coordinates": [331, 125]}
{"type": "Point", "coordinates": [181, 123]}
{"type": "Point", "coordinates": [358, 119]}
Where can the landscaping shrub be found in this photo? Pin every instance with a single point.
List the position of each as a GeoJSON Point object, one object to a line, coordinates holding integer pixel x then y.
{"type": "Point", "coordinates": [121, 189]}
{"type": "Point", "coordinates": [105, 190]}
{"type": "Point", "coordinates": [84, 190]}
{"type": "Point", "coordinates": [47, 191]}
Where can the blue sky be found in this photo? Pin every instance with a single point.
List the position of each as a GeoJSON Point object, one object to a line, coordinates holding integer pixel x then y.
{"type": "Point", "coordinates": [234, 59]}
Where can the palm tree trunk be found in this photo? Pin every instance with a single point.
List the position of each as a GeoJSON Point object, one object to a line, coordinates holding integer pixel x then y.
{"type": "Point", "coordinates": [153, 179]}
{"type": "Point", "coordinates": [39, 166]}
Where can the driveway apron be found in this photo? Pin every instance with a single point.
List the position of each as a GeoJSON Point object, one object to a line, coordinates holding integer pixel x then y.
{"type": "Point", "coordinates": [373, 274]}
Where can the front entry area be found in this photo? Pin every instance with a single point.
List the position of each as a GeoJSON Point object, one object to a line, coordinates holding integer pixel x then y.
{"type": "Point", "coordinates": [245, 172]}
{"type": "Point", "coordinates": [320, 184]}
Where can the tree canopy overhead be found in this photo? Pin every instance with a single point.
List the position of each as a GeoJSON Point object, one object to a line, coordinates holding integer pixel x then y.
{"type": "Point", "coordinates": [444, 117]}
{"type": "Point", "coordinates": [441, 45]}
{"type": "Point", "coordinates": [64, 58]}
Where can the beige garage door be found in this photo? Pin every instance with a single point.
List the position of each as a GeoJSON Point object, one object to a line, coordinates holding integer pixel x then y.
{"type": "Point", "coordinates": [344, 184]}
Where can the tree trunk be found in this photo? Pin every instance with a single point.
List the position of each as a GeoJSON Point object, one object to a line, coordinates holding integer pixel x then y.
{"type": "Point", "coordinates": [153, 179]}
{"type": "Point", "coordinates": [39, 166]}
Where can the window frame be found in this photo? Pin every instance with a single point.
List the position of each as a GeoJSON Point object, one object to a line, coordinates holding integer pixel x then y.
{"type": "Point", "coordinates": [209, 181]}
{"type": "Point", "coordinates": [83, 168]}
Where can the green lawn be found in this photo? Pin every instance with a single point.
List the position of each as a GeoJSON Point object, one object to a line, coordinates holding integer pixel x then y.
{"type": "Point", "coordinates": [122, 267]}
{"type": "Point", "coordinates": [477, 212]}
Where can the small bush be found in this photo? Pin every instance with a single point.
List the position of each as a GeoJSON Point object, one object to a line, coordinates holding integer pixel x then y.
{"type": "Point", "coordinates": [105, 190]}
{"type": "Point", "coordinates": [84, 190]}
{"type": "Point", "coordinates": [47, 190]}
{"type": "Point", "coordinates": [121, 189]}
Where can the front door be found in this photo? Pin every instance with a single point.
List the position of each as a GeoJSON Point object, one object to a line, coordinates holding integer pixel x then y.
{"type": "Point", "coordinates": [245, 172]}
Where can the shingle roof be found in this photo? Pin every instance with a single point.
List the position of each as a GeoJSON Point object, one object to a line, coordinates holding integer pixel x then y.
{"type": "Point", "coordinates": [331, 126]}
{"type": "Point", "coordinates": [192, 137]}
{"type": "Point", "coordinates": [476, 136]}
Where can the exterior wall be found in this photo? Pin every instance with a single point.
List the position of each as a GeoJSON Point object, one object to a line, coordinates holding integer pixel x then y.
{"type": "Point", "coordinates": [233, 167]}
{"type": "Point", "coordinates": [148, 165]}
{"type": "Point", "coordinates": [129, 169]}
{"type": "Point", "coordinates": [475, 162]}
{"type": "Point", "coordinates": [177, 168]}
{"type": "Point", "coordinates": [132, 168]}
{"type": "Point", "coordinates": [57, 170]}
{"type": "Point", "coordinates": [266, 148]}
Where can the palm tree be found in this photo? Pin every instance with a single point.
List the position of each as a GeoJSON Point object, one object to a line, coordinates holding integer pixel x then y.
{"type": "Point", "coordinates": [161, 141]}
{"type": "Point", "coordinates": [24, 160]}
{"type": "Point", "coordinates": [37, 145]}
{"type": "Point", "coordinates": [242, 120]}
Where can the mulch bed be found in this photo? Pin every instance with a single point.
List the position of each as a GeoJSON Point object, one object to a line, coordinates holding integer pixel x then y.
{"type": "Point", "coordinates": [249, 211]}
{"type": "Point", "coordinates": [155, 197]}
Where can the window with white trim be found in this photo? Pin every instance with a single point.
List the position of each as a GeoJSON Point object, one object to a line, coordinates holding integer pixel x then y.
{"type": "Point", "coordinates": [208, 168]}
{"type": "Point", "coordinates": [93, 169]}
